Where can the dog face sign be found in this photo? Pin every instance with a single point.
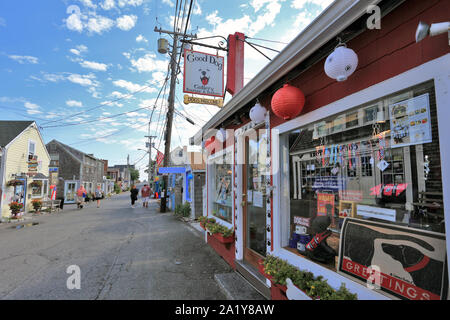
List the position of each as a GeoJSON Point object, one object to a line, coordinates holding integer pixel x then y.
{"type": "Point", "coordinates": [203, 73]}
{"type": "Point", "coordinates": [411, 263]}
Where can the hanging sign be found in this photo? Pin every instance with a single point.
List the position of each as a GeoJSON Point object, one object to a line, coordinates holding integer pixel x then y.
{"type": "Point", "coordinates": [214, 102]}
{"type": "Point", "coordinates": [203, 73]}
{"type": "Point", "coordinates": [397, 261]}
{"type": "Point", "coordinates": [410, 121]}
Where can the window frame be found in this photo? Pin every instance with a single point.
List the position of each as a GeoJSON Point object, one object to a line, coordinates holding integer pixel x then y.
{"type": "Point", "coordinates": [432, 70]}
{"type": "Point", "coordinates": [211, 182]}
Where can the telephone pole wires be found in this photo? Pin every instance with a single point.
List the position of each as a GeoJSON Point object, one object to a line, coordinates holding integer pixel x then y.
{"type": "Point", "coordinates": [171, 103]}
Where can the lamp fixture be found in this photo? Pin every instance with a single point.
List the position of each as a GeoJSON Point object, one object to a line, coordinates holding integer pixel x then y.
{"type": "Point", "coordinates": [424, 29]}
{"type": "Point", "coordinates": [341, 63]}
{"type": "Point", "coordinates": [257, 113]}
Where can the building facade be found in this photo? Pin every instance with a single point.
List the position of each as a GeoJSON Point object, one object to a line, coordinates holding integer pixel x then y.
{"type": "Point", "coordinates": [24, 165]}
{"type": "Point", "coordinates": [356, 181]}
{"type": "Point", "coordinates": [75, 168]}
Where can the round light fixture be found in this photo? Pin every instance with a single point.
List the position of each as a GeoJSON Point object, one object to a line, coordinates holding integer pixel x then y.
{"type": "Point", "coordinates": [341, 63]}
{"type": "Point", "coordinates": [257, 113]}
{"type": "Point", "coordinates": [288, 102]}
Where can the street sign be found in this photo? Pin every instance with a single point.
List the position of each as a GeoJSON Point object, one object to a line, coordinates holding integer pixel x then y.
{"type": "Point", "coordinates": [215, 102]}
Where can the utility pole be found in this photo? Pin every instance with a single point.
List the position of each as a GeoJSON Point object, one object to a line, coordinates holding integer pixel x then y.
{"type": "Point", "coordinates": [171, 102]}
{"type": "Point", "coordinates": [149, 157]}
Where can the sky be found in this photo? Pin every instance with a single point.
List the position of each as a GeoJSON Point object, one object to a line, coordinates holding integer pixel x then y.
{"type": "Point", "coordinates": [89, 73]}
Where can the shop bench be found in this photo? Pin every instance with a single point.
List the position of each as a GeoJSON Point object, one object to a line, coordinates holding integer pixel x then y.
{"type": "Point", "coordinates": [52, 204]}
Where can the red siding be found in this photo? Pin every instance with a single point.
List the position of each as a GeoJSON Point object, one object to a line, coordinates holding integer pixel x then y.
{"type": "Point", "coordinates": [382, 54]}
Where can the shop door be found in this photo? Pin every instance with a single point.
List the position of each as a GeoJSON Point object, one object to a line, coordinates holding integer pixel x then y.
{"type": "Point", "coordinates": [254, 204]}
{"type": "Point", "coordinates": [70, 189]}
{"type": "Point", "coordinates": [20, 192]}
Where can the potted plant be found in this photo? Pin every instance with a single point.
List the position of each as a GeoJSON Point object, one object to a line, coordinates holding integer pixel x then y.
{"type": "Point", "coordinates": [36, 183]}
{"type": "Point", "coordinates": [220, 232]}
{"type": "Point", "coordinates": [15, 208]}
{"type": "Point", "coordinates": [37, 205]}
{"type": "Point", "coordinates": [285, 276]}
{"type": "Point", "coordinates": [14, 182]}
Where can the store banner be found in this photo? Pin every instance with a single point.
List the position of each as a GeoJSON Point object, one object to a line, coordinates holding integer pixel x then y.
{"type": "Point", "coordinates": [203, 73]}
{"type": "Point", "coordinates": [400, 262]}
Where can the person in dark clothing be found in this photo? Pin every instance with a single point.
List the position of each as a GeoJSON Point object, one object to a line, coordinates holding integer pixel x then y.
{"type": "Point", "coordinates": [134, 195]}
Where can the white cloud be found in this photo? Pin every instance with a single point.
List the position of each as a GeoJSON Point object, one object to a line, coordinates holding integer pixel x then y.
{"type": "Point", "coordinates": [108, 5]}
{"type": "Point", "coordinates": [94, 65]}
{"type": "Point", "coordinates": [32, 108]}
{"type": "Point", "coordinates": [80, 49]}
{"type": "Point", "coordinates": [141, 38]}
{"type": "Point", "coordinates": [134, 3]}
{"type": "Point", "coordinates": [24, 59]}
{"type": "Point", "coordinates": [2, 22]}
{"type": "Point", "coordinates": [132, 87]}
{"type": "Point", "coordinates": [88, 3]}
{"type": "Point", "coordinates": [74, 23]}
{"type": "Point", "coordinates": [126, 22]}
{"type": "Point", "coordinates": [74, 103]}
{"type": "Point", "coordinates": [148, 63]}
{"type": "Point", "coordinates": [169, 3]}
{"type": "Point", "coordinates": [99, 24]}
{"type": "Point", "coordinates": [83, 80]}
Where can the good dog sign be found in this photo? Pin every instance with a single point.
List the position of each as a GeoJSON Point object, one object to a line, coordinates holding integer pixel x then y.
{"type": "Point", "coordinates": [203, 73]}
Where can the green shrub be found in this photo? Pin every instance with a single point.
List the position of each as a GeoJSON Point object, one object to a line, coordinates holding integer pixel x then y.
{"type": "Point", "coordinates": [315, 287]}
{"type": "Point", "coordinates": [183, 210]}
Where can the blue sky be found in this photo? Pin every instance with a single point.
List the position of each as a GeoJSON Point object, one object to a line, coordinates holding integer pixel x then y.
{"type": "Point", "coordinates": [61, 58]}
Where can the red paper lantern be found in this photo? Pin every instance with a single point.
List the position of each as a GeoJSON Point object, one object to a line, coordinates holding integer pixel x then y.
{"type": "Point", "coordinates": [288, 102]}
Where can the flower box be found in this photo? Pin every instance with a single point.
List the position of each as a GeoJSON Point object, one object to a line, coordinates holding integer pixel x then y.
{"type": "Point", "coordinates": [202, 226]}
{"type": "Point", "coordinates": [223, 239]}
{"type": "Point", "coordinates": [295, 293]}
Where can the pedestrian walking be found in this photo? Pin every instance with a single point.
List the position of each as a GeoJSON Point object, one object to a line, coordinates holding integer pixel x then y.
{"type": "Point", "coordinates": [134, 195]}
{"type": "Point", "coordinates": [81, 194]}
{"type": "Point", "coordinates": [145, 193]}
{"type": "Point", "coordinates": [98, 196]}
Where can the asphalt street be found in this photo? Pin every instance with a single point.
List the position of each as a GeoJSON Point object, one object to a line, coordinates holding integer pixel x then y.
{"type": "Point", "coordinates": [121, 252]}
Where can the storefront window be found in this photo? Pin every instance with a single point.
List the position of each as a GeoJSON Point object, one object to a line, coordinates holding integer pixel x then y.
{"type": "Point", "coordinates": [221, 175]}
{"type": "Point", "coordinates": [39, 188]}
{"type": "Point", "coordinates": [378, 162]}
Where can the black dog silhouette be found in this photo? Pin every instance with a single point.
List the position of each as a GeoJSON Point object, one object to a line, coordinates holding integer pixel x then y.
{"type": "Point", "coordinates": [426, 272]}
{"type": "Point", "coordinates": [361, 247]}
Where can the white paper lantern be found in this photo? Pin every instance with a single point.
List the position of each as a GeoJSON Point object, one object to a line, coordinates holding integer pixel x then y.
{"type": "Point", "coordinates": [341, 63]}
{"type": "Point", "coordinates": [257, 113]}
{"type": "Point", "coordinates": [222, 135]}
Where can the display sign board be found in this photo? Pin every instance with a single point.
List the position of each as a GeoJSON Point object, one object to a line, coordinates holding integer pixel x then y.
{"type": "Point", "coordinates": [397, 261]}
{"type": "Point", "coordinates": [214, 102]}
{"type": "Point", "coordinates": [325, 204]}
{"type": "Point", "coordinates": [410, 121]}
{"type": "Point", "coordinates": [203, 73]}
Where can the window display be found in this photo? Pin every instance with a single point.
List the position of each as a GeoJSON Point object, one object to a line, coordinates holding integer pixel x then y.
{"type": "Point", "coordinates": [377, 162]}
{"type": "Point", "coordinates": [220, 171]}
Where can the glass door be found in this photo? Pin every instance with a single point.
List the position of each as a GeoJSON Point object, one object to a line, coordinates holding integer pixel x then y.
{"type": "Point", "coordinates": [70, 189]}
{"type": "Point", "coordinates": [254, 191]}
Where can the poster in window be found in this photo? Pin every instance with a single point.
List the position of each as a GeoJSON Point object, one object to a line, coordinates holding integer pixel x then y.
{"type": "Point", "coordinates": [410, 264]}
{"type": "Point", "coordinates": [410, 121]}
{"type": "Point", "coordinates": [325, 204]}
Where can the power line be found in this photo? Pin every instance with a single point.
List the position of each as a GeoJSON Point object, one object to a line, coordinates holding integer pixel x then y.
{"type": "Point", "coordinates": [265, 40]}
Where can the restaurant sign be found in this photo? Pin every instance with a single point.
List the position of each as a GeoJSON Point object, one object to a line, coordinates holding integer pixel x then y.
{"type": "Point", "coordinates": [203, 73]}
